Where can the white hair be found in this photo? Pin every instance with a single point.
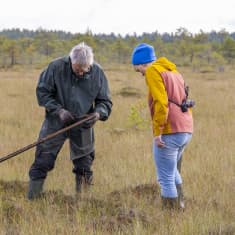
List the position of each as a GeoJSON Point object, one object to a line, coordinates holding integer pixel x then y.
{"type": "Point", "coordinates": [82, 54]}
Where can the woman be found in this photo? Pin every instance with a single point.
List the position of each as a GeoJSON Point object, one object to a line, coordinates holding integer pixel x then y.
{"type": "Point", "coordinates": [171, 118]}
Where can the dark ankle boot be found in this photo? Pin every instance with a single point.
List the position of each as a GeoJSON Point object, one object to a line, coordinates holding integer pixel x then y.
{"type": "Point", "coordinates": [83, 181]}
{"type": "Point", "coordinates": [169, 203]}
{"type": "Point", "coordinates": [180, 196]}
{"type": "Point", "coordinates": [35, 189]}
{"type": "Point", "coordinates": [88, 177]}
{"type": "Point", "coordinates": [78, 183]}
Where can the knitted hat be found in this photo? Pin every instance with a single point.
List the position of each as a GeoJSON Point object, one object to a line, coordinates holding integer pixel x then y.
{"type": "Point", "coordinates": [143, 54]}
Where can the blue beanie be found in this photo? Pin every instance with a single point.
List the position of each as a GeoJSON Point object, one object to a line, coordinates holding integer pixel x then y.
{"type": "Point", "coordinates": [143, 54]}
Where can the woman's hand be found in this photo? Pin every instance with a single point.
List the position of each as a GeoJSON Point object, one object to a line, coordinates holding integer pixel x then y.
{"type": "Point", "coordinates": [159, 142]}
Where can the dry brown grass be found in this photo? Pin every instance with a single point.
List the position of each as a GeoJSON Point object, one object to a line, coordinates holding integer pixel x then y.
{"type": "Point", "coordinates": [125, 197]}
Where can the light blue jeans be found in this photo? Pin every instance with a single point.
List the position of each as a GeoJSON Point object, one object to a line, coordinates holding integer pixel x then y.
{"type": "Point", "coordinates": [166, 159]}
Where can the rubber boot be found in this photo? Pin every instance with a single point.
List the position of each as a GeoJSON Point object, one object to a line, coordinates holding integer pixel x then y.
{"type": "Point", "coordinates": [169, 203]}
{"type": "Point", "coordinates": [88, 177]}
{"type": "Point", "coordinates": [35, 189]}
{"type": "Point", "coordinates": [181, 203]}
{"type": "Point", "coordinates": [78, 181]}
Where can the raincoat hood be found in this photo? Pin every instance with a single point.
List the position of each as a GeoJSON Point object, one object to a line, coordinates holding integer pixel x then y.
{"type": "Point", "coordinates": [163, 64]}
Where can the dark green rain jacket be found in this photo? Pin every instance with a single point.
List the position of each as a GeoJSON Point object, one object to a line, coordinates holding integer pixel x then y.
{"type": "Point", "coordinates": [59, 87]}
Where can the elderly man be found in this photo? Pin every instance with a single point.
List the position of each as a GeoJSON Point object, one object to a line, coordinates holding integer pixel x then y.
{"type": "Point", "coordinates": [69, 88]}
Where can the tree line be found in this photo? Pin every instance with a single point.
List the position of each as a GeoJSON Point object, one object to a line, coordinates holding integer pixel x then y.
{"type": "Point", "coordinates": [35, 49]}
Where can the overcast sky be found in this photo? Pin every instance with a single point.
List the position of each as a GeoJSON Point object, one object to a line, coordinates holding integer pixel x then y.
{"type": "Point", "coordinates": [119, 16]}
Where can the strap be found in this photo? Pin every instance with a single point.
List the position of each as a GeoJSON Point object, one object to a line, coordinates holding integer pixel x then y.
{"type": "Point", "coordinates": [186, 90]}
{"type": "Point", "coordinates": [174, 103]}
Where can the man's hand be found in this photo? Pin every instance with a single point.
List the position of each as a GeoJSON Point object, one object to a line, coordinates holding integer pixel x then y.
{"type": "Point", "coordinates": [66, 117]}
{"type": "Point", "coordinates": [159, 142]}
{"type": "Point", "coordinates": [91, 122]}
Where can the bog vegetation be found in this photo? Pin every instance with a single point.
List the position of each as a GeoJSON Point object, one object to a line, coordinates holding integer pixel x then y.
{"type": "Point", "coordinates": [125, 196]}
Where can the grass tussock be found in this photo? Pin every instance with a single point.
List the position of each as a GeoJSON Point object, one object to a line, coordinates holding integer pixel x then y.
{"type": "Point", "coordinates": [129, 92]}
{"type": "Point", "coordinates": [125, 197]}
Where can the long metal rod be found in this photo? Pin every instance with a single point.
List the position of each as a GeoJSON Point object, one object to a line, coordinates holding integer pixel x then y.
{"type": "Point", "coordinates": [21, 150]}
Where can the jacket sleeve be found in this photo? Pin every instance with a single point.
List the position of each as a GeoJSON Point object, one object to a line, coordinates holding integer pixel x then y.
{"type": "Point", "coordinates": [46, 91]}
{"type": "Point", "coordinates": [160, 100]}
{"type": "Point", "coordinates": [103, 103]}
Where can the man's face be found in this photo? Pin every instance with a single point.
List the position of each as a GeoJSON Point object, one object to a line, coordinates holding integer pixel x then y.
{"type": "Point", "coordinates": [140, 69]}
{"type": "Point", "coordinates": [80, 70]}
